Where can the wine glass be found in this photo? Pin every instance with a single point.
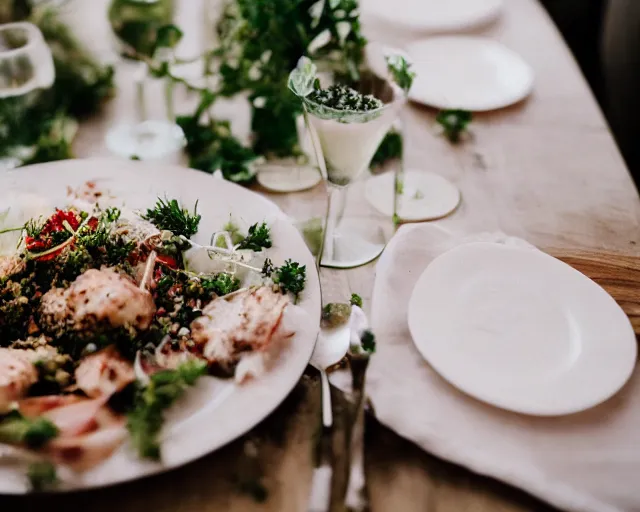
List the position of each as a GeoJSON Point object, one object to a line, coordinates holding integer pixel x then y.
{"type": "Point", "coordinates": [26, 65]}
{"type": "Point", "coordinates": [345, 142]}
{"type": "Point", "coordinates": [136, 23]}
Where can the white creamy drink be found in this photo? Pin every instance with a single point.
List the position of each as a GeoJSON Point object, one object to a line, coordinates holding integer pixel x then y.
{"type": "Point", "coordinates": [348, 147]}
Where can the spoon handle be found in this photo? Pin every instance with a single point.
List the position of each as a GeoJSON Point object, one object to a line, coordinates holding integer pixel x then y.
{"type": "Point", "coordinates": [327, 413]}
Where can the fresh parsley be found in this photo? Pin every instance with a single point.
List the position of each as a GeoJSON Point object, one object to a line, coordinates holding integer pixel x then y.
{"type": "Point", "coordinates": [145, 420]}
{"type": "Point", "coordinates": [221, 284]}
{"type": "Point", "coordinates": [356, 300]}
{"type": "Point", "coordinates": [454, 123]}
{"type": "Point", "coordinates": [258, 238]}
{"type": "Point", "coordinates": [169, 215]}
{"type": "Point", "coordinates": [368, 341]}
{"type": "Point", "coordinates": [291, 277]}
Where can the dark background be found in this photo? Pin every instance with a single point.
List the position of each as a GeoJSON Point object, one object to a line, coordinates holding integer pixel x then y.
{"type": "Point", "coordinates": [604, 36]}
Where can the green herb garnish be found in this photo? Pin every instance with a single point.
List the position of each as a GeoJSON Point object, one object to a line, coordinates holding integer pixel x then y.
{"type": "Point", "coordinates": [259, 238]}
{"type": "Point", "coordinates": [356, 300]}
{"type": "Point", "coordinates": [42, 475]}
{"type": "Point", "coordinates": [291, 277]}
{"type": "Point", "coordinates": [147, 415]}
{"type": "Point", "coordinates": [341, 97]}
{"type": "Point", "coordinates": [34, 433]}
{"type": "Point", "coordinates": [169, 215]}
{"type": "Point", "coordinates": [221, 284]}
{"type": "Point", "coordinates": [454, 123]}
{"type": "Point", "coordinates": [400, 69]}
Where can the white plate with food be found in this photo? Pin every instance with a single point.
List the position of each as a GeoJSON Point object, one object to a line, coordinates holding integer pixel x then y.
{"type": "Point", "coordinates": [521, 330]}
{"type": "Point", "coordinates": [468, 73]}
{"type": "Point", "coordinates": [434, 16]}
{"type": "Point", "coordinates": [136, 332]}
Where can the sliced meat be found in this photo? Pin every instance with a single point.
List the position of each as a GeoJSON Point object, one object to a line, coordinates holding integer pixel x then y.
{"type": "Point", "coordinates": [84, 452]}
{"type": "Point", "coordinates": [10, 265]}
{"type": "Point", "coordinates": [17, 375]}
{"type": "Point", "coordinates": [97, 298]}
{"type": "Point", "coordinates": [38, 405]}
{"type": "Point", "coordinates": [104, 373]}
{"type": "Point", "coordinates": [244, 322]}
{"type": "Point", "coordinates": [75, 418]}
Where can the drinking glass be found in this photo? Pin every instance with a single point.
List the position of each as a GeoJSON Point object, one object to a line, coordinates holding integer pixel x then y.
{"type": "Point", "coordinates": [345, 142]}
{"type": "Point", "coordinates": [26, 65]}
{"type": "Point", "coordinates": [135, 23]}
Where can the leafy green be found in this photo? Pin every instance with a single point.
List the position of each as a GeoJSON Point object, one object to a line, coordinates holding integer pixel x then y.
{"type": "Point", "coordinates": [35, 433]}
{"type": "Point", "coordinates": [290, 277]}
{"type": "Point", "coordinates": [211, 145]}
{"type": "Point", "coordinates": [356, 300]}
{"type": "Point", "coordinates": [368, 341]}
{"type": "Point", "coordinates": [169, 215]}
{"type": "Point", "coordinates": [390, 148]}
{"type": "Point", "coordinates": [400, 69]}
{"type": "Point", "coordinates": [259, 238]}
{"type": "Point", "coordinates": [42, 475]}
{"type": "Point", "coordinates": [147, 415]}
{"type": "Point", "coordinates": [260, 42]}
{"type": "Point", "coordinates": [221, 284]}
{"type": "Point", "coordinates": [454, 123]}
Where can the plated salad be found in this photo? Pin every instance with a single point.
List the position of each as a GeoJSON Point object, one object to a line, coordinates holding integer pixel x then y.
{"type": "Point", "coordinates": [108, 315]}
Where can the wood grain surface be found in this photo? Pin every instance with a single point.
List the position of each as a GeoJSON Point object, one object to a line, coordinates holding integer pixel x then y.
{"type": "Point", "coordinates": [546, 170]}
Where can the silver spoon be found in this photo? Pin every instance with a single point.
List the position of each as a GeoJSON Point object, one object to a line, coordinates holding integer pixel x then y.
{"type": "Point", "coordinates": [331, 347]}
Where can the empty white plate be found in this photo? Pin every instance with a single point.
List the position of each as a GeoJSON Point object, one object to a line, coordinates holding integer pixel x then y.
{"type": "Point", "coordinates": [469, 73]}
{"type": "Point", "coordinates": [434, 15]}
{"type": "Point", "coordinates": [425, 195]}
{"type": "Point", "coordinates": [521, 330]}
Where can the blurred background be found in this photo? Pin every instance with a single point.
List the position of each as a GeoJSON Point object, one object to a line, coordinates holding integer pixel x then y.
{"type": "Point", "coordinates": [604, 36]}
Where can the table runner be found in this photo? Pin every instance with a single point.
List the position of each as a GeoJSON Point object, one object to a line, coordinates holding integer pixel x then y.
{"type": "Point", "coordinates": [588, 461]}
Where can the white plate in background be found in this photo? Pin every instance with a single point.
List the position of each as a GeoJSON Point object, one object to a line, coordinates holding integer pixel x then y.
{"type": "Point", "coordinates": [469, 73]}
{"type": "Point", "coordinates": [433, 15]}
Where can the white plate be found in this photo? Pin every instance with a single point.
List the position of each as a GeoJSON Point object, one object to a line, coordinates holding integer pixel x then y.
{"type": "Point", "coordinates": [469, 73]}
{"type": "Point", "coordinates": [521, 330]}
{"type": "Point", "coordinates": [425, 195]}
{"type": "Point", "coordinates": [215, 412]}
{"type": "Point", "coordinates": [434, 15]}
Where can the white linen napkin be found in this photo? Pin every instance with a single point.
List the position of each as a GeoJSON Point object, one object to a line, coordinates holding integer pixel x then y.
{"type": "Point", "coordinates": [587, 462]}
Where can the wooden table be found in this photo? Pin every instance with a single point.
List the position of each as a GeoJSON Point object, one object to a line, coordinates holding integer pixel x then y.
{"type": "Point", "coordinates": [547, 170]}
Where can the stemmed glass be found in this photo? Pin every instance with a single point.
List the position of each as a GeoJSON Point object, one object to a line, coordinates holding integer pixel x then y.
{"type": "Point", "coordinates": [26, 65]}
{"type": "Point", "coordinates": [136, 23]}
{"type": "Point", "coordinates": [345, 142]}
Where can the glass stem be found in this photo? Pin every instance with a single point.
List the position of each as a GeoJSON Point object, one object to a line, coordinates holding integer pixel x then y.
{"type": "Point", "coordinates": [336, 203]}
{"type": "Point", "coordinates": [141, 77]}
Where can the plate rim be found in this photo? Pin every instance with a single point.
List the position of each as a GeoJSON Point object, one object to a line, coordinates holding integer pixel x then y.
{"type": "Point", "coordinates": [488, 106]}
{"type": "Point", "coordinates": [507, 405]}
{"type": "Point", "coordinates": [145, 469]}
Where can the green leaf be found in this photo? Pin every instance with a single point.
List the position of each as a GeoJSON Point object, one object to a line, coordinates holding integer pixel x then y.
{"type": "Point", "coordinates": [302, 78]}
{"type": "Point", "coordinates": [454, 123]}
{"type": "Point", "coordinates": [259, 238]}
{"type": "Point", "coordinates": [356, 300]}
{"type": "Point", "coordinates": [168, 36]}
{"type": "Point", "coordinates": [32, 432]}
{"type": "Point", "coordinates": [401, 72]}
{"type": "Point", "coordinates": [145, 420]}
